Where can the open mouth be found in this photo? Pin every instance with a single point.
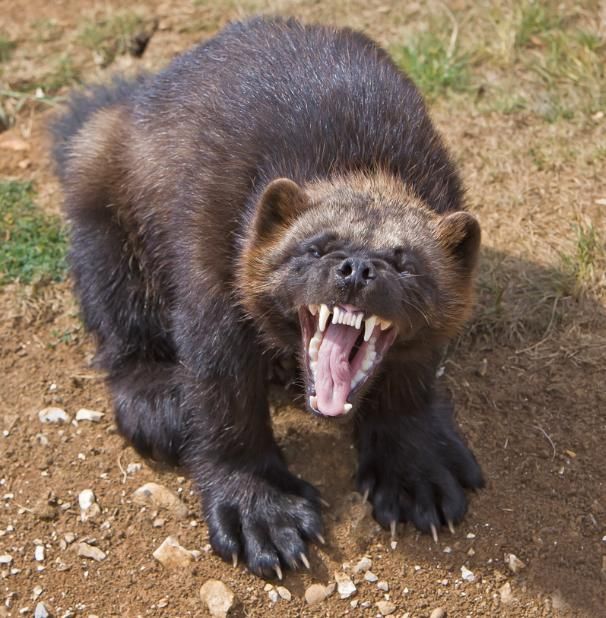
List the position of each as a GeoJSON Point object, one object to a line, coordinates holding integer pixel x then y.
{"type": "Point", "coordinates": [343, 346]}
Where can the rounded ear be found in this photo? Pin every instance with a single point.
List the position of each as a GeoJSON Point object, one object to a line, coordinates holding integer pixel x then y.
{"type": "Point", "coordinates": [280, 203]}
{"type": "Point", "coordinates": [460, 233]}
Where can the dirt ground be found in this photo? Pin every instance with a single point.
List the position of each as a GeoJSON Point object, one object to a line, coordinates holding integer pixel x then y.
{"type": "Point", "coordinates": [527, 375]}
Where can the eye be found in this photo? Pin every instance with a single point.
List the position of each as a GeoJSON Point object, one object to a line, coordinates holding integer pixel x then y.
{"type": "Point", "coordinates": [314, 251]}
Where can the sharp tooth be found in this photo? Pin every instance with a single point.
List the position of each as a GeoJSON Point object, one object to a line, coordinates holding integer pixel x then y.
{"type": "Point", "coordinates": [347, 407]}
{"type": "Point", "coordinates": [345, 317]}
{"type": "Point", "coordinates": [369, 326]}
{"type": "Point", "coordinates": [359, 319]}
{"type": "Point", "coordinates": [313, 309]}
{"type": "Point", "coordinates": [385, 324]}
{"type": "Point", "coordinates": [324, 315]}
{"type": "Point", "coordinates": [313, 402]}
{"type": "Point", "coordinates": [336, 315]}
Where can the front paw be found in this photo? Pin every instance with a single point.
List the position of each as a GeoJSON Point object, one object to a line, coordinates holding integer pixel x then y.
{"type": "Point", "coordinates": [419, 477]}
{"type": "Point", "coordinates": [265, 520]}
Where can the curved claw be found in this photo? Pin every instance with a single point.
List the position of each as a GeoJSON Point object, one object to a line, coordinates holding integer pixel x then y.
{"type": "Point", "coordinates": [304, 560]}
{"type": "Point", "coordinates": [365, 496]}
{"type": "Point", "coordinates": [324, 503]}
{"type": "Point", "coordinates": [451, 526]}
{"type": "Point", "coordinates": [278, 571]}
{"type": "Point", "coordinates": [393, 528]}
{"type": "Point", "coordinates": [234, 559]}
{"type": "Point", "coordinates": [434, 533]}
{"type": "Point", "coordinates": [320, 539]}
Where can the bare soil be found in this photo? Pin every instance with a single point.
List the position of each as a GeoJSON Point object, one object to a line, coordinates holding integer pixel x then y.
{"type": "Point", "coordinates": [527, 377]}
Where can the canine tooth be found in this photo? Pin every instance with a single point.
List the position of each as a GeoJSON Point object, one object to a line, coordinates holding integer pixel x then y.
{"type": "Point", "coordinates": [313, 365]}
{"type": "Point", "coordinates": [336, 315]}
{"type": "Point", "coordinates": [369, 326]}
{"type": "Point", "coordinates": [313, 402]}
{"type": "Point", "coordinates": [313, 309]}
{"type": "Point", "coordinates": [385, 324]}
{"type": "Point", "coordinates": [359, 319]}
{"type": "Point", "coordinates": [347, 407]}
{"type": "Point", "coordinates": [324, 315]}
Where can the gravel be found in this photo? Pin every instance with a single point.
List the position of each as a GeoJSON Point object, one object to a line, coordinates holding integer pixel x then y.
{"type": "Point", "coordinates": [172, 555]}
{"type": "Point", "coordinates": [53, 415]}
{"type": "Point", "coordinates": [159, 497]}
{"type": "Point", "coordinates": [90, 551]}
{"type": "Point", "coordinates": [217, 597]}
{"type": "Point", "coordinates": [345, 587]}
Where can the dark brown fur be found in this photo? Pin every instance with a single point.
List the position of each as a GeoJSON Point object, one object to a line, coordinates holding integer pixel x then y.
{"type": "Point", "coordinates": [194, 198]}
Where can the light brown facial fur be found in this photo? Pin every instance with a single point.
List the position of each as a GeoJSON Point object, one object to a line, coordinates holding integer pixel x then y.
{"type": "Point", "coordinates": [299, 256]}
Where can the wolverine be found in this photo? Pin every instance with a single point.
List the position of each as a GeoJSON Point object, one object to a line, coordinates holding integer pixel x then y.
{"type": "Point", "coordinates": [278, 191]}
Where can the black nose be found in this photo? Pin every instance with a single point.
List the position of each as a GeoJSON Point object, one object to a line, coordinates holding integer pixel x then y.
{"type": "Point", "coordinates": [355, 271]}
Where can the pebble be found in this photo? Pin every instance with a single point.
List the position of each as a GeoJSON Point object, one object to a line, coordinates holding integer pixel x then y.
{"type": "Point", "coordinates": [6, 559]}
{"type": "Point", "coordinates": [39, 553]}
{"type": "Point", "coordinates": [90, 551]}
{"type": "Point", "coordinates": [505, 593]}
{"type": "Point", "coordinates": [217, 597]}
{"type": "Point", "coordinates": [89, 415]}
{"type": "Point", "coordinates": [316, 593]}
{"type": "Point", "coordinates": [383, 585]}
{"type": "Point", "coordinates": [172, 555]}
{"type": "Point", "coordinates": [159, 497]}
{"type": "Point", "coordinates": [41, 611]}
{"type": "Point", "coordinates": [273, 596]}
{"type": "Point", "coordinates": [363, 565]}
{"type": "Point", "coordinates": [438, 612]}
{"type": "Point", "coordinates": [345, 587]}
{"type": "Point", "coordinates": [37, 591]}
{"type": "Point", "coordinates": [133, 468]}
{"type": "Point", "coordinates": [514, 563]}
{"type": "Point", "coordinates": [284, 593]}
{"type": "Point", "coordinates": [386, 608]}
{"type": "Point", "coordinates": [53, 415]}
{"type": "Point", "coordinates": [467, 575]}
{"type": "Point", "coordinates": [369, 576]}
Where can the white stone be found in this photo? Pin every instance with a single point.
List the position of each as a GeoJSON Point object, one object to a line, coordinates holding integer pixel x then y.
{"type": "Point", "coordinates": [506, 594]}
{"type": "Point", "coordinates": [89, 415]}
{"type": "Point", "coordinates": [383, 585]}
{"type": "Point", "coordinates": [41, 611]}
{"type": "Point", "coordinates": [467, 575]}
{"type": "Point", "coordinates": [363, 565]}
{"type": "Point", "coordinates": [172, 555]}
{"type": "Point", "coordinates": [6, 559]}
{"type": "Point", "coordinates": [284, 593]}
{"type": "Point", "coordinates": [217, 597]}
{"type": "Point", "coordinates": [345, 587]}
{"type": "Point", "coordinates": [273, 596]}
{"type": "Point", "coordinates": [514, 563]}
{"type": "Point", "coordinates": [369, 576]}
{"type": "Point", "coordinates": [386, 608]}
{"type": "Point", "coordinates": [90, 551]}
{"type": "Point", "coordinates": [39, 553]}
{"type": "Point", "coordinates": [159, 497]}
{"type": "Point", "coordinates": [86, 498]}
{"type": "Point", "coordinates": [53, 415]}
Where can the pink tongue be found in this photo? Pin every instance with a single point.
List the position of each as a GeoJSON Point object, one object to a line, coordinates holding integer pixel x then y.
{"type": "Point", "coordinates": [333, 375]}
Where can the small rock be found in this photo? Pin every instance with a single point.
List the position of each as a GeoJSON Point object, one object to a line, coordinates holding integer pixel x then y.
{"type": "Point", "coordinates": [53, 415]}
{"type": "Point", "coordinates": [90, 551]}
{"type": "Point", "coordinates": [39, 553]}
{"type": "Point", "coordinates": [363, 565]}
{"type": "Point", "coordinates": [45, 511]}
{"type": "Point", "coordinates": [467, 575]}
{"type": "Point", "coordinates": [514, 563]}
{"type": "Point", "coordinates": [133, 468]}
{"type": "Point", "coordinates": [273, 596]}
{"type": "Point", "coordinates": [354, 603]}
{"type": "Point", "coordinates": [158, 522]}
{"type": "Point", "coordinates": [471, 552]}
{"type": "Point", "coordinates": [69, 537]}
{"type": "Point", "coordinates": [219, 599]}
{"type": "Point", "coordinates": [316, 593]}
{"type": "Point", "coordinates": [89, 509]}
{"type": "Point", "coordinates": [89, 415]}
{"type": "Point", "coordinates": [36, 592]}
{"type": "Point", "coordinates": [172, 555]}
{"type": "Point", "coordinates": [438, 612]}
{"type": "Point", "coordinates": [42, 611]}
{"type": "Point", "coordinates": [470, 535]}
{"type": "Point", "coordinates": [159, 497]}
{"type": "Point", "coordinates": [369, 576]}
{"type": "Point", "coordinates": [505, 593]}
{"type": "Point", "coordinates": [284, 593]}
{"type": "Point", "coordinates": [345, 587]}
{"type": "Point", "coordinates": [6, 559]}
{"type": "Point", "coordinates": [383, 585]}
{"type": "Point", "coordinates": [386, 608]}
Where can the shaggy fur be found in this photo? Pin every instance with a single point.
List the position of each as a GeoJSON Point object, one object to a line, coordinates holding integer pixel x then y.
{"type": "Point", "coordinates": [194, 261]}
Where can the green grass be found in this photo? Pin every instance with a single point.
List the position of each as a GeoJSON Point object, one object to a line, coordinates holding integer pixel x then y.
{"type": "Point", "coordinates": [110, 37]}
{"type": "Point", "coordinates": [435, 66]}
{"type": "Point", "coordinates": [32, 244]}
{"type": "Point", "coordinates": [6, 48]}
{"type": "Point", "coordinates": [535, 20]}
{"type": "Point", "coordinates": [587, 263]}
